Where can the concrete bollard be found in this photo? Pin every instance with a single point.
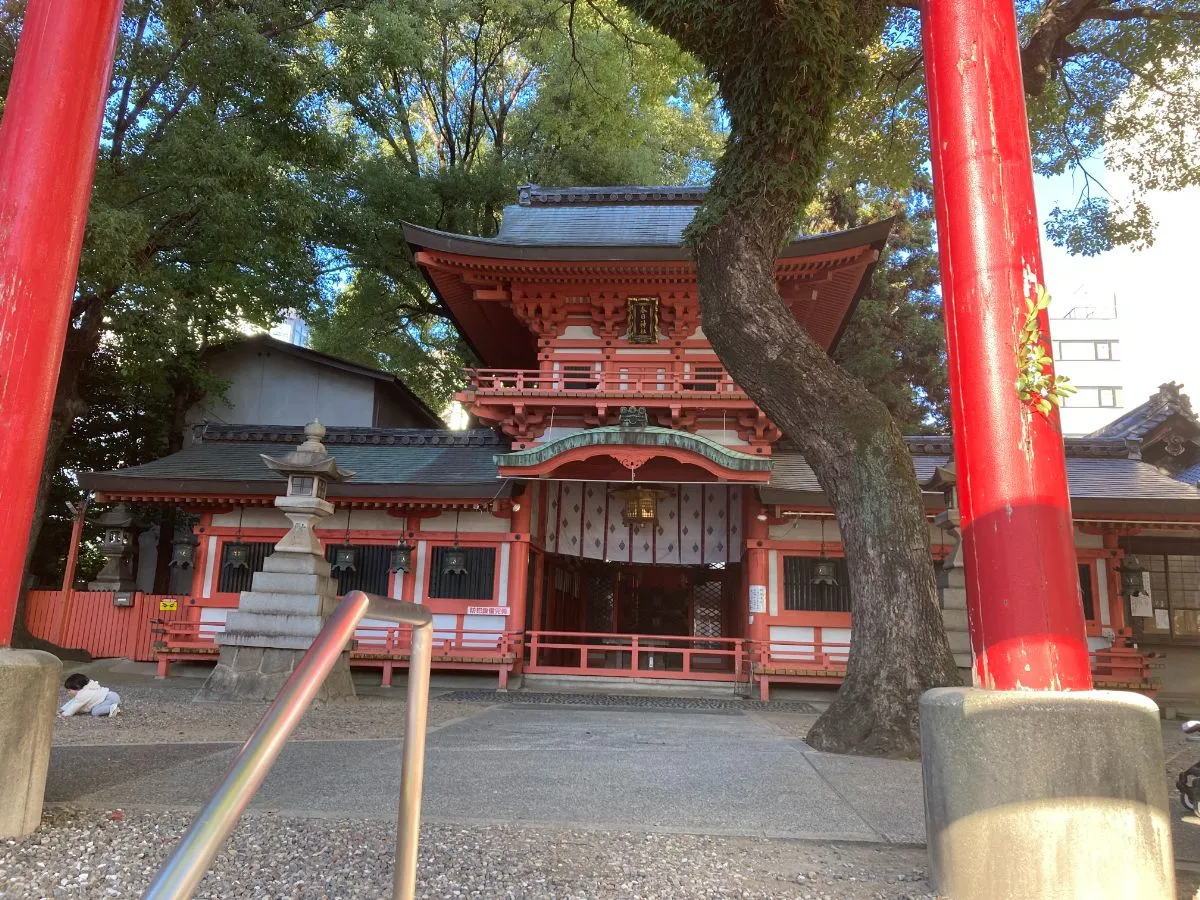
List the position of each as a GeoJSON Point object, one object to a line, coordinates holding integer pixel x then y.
{"type": "Point", "coordinates": [1045, 794]}
{"type": "Point", "coordinates": [29, 682]}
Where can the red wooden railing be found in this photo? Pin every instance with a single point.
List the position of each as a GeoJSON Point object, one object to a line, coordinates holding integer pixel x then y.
{"type": "Point", "coordinates": [624, 380]}
{"type": "Point", "coordinates": [90, 620]}
{"type": "Point", "coordinates": [634, 655]}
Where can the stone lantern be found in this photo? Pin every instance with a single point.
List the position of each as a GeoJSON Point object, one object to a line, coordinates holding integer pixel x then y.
{"type": "Point", "coordinates": [308, 469]}
{"type": "Point", "coordinates": [290, 599]}
{"type": "Point", "coordinates": [118, 543]}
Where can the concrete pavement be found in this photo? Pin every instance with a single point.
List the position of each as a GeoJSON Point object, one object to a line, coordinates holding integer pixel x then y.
{"type": "Point", "coordinates": [679, 771]}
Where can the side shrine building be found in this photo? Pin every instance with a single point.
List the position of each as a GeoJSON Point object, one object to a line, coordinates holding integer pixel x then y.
{"type": "Point", "coordinates": [622, 509]}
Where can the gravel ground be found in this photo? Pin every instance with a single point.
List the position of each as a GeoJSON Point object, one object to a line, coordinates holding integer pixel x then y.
{"type": "Point", "coordinates": [152, 714]}
{"type": "Point", "coordinates": [113, 854]}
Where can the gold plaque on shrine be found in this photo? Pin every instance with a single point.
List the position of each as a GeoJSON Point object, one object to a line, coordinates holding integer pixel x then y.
{"type": "Point", "coordinates": [643, 320]}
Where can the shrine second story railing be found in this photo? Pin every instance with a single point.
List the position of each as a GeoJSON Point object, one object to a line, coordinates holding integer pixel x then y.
{"type": "Point", "coordinates": [698, 381]}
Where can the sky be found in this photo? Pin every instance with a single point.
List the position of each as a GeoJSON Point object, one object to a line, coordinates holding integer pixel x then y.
{"type": "Point", "coordinates": [1157, 290]}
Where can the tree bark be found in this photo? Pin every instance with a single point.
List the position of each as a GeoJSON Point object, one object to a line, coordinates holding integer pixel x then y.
{"type": "Point", "coordinates": [898, 644]}
{"type": "Point", "coordinates": [82, 341]}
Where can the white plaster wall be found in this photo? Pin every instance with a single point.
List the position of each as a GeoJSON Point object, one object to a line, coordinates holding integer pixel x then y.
{"type": "Point", "coordinates": [1102, 594]}
{"type": "Point", "coordinates": [210, 567]}
{"type": "Point", "coordinates": [1089, 541]}
{"type": "Point", "coordinates": [213, 614]}
{"type": "Point", "coordinates": [253, 517]}
{"type": "Point", "coordinates": [444, 627]}
{"type": "Point", "coordinates": [269, 517]}
{"type": "Point", "coordinates": [579, 333]}
{"type": "Point", "coordinates": [805, 635]}
{"type": "Point", "coordinates": [270, 388]}
{"type": "Point", "coordinates": [797, 529]}
{"type": "Point", "coordinates": [493, 626]}
{"type": "Point", "coordinates": [553, 434]}
{"type": "Point", "coordinates": [728, 438]}
{"type": "Point", "coordinates": [773, 582]}
{"type": "Point", "coordinates": [468, 523]}
{"type": "Point", "coordinates": [363, 520]}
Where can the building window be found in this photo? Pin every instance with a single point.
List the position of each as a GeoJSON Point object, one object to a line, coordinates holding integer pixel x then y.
{"type": "Point", "coordinates": [1095, 397]}
{"type": "Point", "coordinates": [371, 568]}
{"type": "Point", "coordinates": [235, 580]}
{"type": "Point", "coordinates": [800, 594]}
{"type": "Point", "coordinates": [1082, 351]}
{"type": "Point", "coordinates": [1175, 594]}
{"type": "Point", "coordinates": [579, 377]}
{"type": "Point", "coordinates": [474, 584]}
{"type": "Point", "coordinates": [706, 378]}
{"type": "Point", "coordinates": [1085, 592]}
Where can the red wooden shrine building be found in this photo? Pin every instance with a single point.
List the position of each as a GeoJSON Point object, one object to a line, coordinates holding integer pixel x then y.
{"type": "Point", "coordinates": [623, 509]}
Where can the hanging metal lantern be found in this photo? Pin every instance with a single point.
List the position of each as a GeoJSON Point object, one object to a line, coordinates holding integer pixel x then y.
{"type": "Point", "coordinates": [641, 505]}
{"type": "Point", "coordinates": [183, 553]}
{"type": "Point", "coordinates": [401, 557]}
{"type": "Point", "coordinates": [824, 572]}
{"type": "Point", "coordinates": [454, 561]}
{"type": "Point", "coordinates": [344, 559]}
{"type": "Point", "coordinates": [237, 556]}
{"type": "Point", "coordinates": [1133, 577]}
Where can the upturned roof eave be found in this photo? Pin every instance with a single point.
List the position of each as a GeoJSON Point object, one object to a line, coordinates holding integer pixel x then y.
{"type": "Point", "coordinates": [873, 234]}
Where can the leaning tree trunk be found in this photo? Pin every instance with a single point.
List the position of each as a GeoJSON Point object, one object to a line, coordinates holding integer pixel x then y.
{"type": "Point", "coordinates": [898, 646]}
{"type": "Point", "coordinates": [81, 343]}
{"type": "Point", "coordinates": [783, 68]}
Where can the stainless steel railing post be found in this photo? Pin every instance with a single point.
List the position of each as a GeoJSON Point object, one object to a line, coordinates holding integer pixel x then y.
{"type": "Point", "coordinates": [185, 867]}
{"type": "Point", "coordinates": [408, 822]}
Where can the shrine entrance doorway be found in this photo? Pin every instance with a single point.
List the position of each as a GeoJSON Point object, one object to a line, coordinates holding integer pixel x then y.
{"type": "Point", "coordinates": [637, 620]}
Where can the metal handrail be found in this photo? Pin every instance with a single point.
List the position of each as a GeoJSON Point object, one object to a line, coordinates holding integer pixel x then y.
{"type": "Point", "coordinates": [192, 856]}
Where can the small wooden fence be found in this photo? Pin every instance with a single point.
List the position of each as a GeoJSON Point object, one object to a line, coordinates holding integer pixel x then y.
{"type": "Point", "coordinates": [635, 655]}
{"type": "Point", "coordinates": [91, 621]}
{"type": "Point", "coordinates": [384, 647]}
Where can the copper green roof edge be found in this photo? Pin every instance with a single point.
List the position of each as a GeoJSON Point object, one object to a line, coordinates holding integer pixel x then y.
{"type": "Point", "coordinates": [617, 436]}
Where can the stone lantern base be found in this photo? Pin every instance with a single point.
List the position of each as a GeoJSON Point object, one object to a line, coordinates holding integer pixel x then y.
{"type": "Point", "coordinates": [274, 625]}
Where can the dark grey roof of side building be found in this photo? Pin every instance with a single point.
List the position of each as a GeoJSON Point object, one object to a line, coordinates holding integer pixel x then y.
{"type": "Point", "coordinates": [1141, 420]}
{"type": "Point", "coordinates": [422, 462]}
{"type": "Point", "coordinates": [1097, 482]}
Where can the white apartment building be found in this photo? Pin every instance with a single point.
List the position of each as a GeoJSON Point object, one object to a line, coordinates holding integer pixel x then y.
{"type": "Point", "coordinates": [1087, 349]}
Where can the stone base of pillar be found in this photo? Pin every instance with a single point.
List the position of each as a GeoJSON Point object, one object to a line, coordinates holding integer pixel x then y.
{"type": "Point", "coordinates": [29, 684]}
{"type": "Point", "coordinates": [259, 673]}
{"type": "Point", "coordinates": [1032, 794]}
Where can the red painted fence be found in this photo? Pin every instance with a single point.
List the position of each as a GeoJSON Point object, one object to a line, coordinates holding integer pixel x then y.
{"type": "Point", "coordinates": [91, 621]}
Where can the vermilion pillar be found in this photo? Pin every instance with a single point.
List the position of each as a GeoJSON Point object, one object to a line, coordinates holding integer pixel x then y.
{"type": "Point", "coordinates": [756, 566]}
{"type": "Point", "coordinates": [1026, 620]}
{"type": "Point", "coordinates": [518, 562]}
{"type": "Point", "coordinates": [48, 145]}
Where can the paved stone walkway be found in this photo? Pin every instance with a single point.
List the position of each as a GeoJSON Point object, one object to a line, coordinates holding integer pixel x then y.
{"type": "Point", "coordinates": [701, 772]}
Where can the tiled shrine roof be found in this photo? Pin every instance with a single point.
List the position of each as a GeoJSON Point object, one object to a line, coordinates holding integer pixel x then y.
{"type": "Point", "coordinates": [1105, 475]}
{"type": "Point", "coordinates": [413, 462]}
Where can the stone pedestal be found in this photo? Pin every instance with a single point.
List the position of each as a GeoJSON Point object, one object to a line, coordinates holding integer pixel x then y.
{"type": "Point", "coordinates": [1045, 794]}
{"type": "Point", "coordinates": [274, 625]}
{"type": "Point", "coordinates": [29, 683]}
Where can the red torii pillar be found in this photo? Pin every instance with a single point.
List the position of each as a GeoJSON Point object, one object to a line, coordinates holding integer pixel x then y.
{"type": "Point", "coordinates": [1035, 785]}
{"type": "Point", "coordinates": [48, 146]}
